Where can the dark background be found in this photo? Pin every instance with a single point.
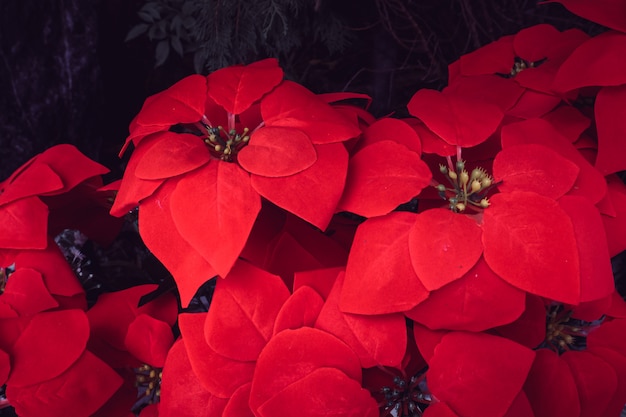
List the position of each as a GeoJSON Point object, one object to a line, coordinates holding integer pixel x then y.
{"type": "Point", "coordinates": [68, 76]}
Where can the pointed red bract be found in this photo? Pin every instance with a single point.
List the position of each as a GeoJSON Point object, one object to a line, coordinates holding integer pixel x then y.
{"type": "Point", "coordinates": [596, 274]}
{"type": "Point", "coordinates": [519, 231]}
{"type": "Point", "coordinates": [458, 120]}
{"type": "Point", "coordinates": [149, 339]}
{"type": "Point", "coordinates": [292, 105]}
{"type": "Point", "coordinates": [277, 152]}
{"type": "Point", "coordinates": [65, 332]}
{"type": "Point", "coordinates": [37, 179]}
{"type": "Point", "coordinates": [597, 62]}
{"type": "Point", "coordinates": [312, 194]}
{"type": "Point", "coordinates": [243, 311]}
{"type": "Point", "coordinates": [291, 355]}
{"type": "Point", "coordinates": [534, 167]}
{"type": "Point", "coordinates": [396, 130]}
{"type": "Point", "coordinates": [189, 269]}
{"type": "Point", "coordinates": [610, 116]}
{"type": "Point", "coordinates": [237, 405]}
{"type": "Point", "coordinates": [380, 278]}
{"type": "Point", "coordinates": [172, 154]}
{"type": "Point", "coordinates": [226, 375]}
{"type": "Point", "coordinates": [382, 176]}
{"type": "Point", "coordinates": [453, 378]}
{"type": "Point", "coordinates": [26, 292]}
{"type": "Point", "coordinates": [24, 224]}
{"type": "Point", "coordinates": [214, 209]}
{"type": "Point", "coordinates": [235, 88]}
{"type": "Point", "coordinates": [300, 310]}
{"type": "Point", "coordinates": [443, 246]}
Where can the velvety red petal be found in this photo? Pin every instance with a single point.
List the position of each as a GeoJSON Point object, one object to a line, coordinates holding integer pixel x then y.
{"type": "Point", "coordinates": [618, 363]}
{"type": "Point", "coordinates": [24, 224]}
{"type": "Point", "coordinates": [596, 381]}
{"type": "Point", "coordinates": [597, 62]}
{"type": "Point", "coordinates": [172, 154]}
{"type": "Point", "coordinates": [277, 152]}
{"type": "Point", "coordinates": [382, 176]}
{"type": "Point", "coordinates": [291, 355]}
{"type": "Point", "coordinates": [56, 272]}
{"type": "Point", "coordinates": [214, 209]}
{"type": "Point", "coordinates": [477, 301]}
{"type": "Point", "coordinates": [569, 121]}
{"type": "Point", "coordinates": [292, 105]}
{"type": "Point", "coordinates": [301, 309]}
{"type": "Point", "coordinates": [37, 179]}
{"type": "Point", "coordinates": [426, 340]}
{"type": "Point", "coordinates": [596, 274]}
{"type": "Point", "coordinates": [550, 387]}
{"type": "Point", "coordinates": [312, 194]}
{"type": "Point", "coordinates": [69, 391]}
{"type": "Point", "coordinates": [615, 225]}
{"type": "Point", "coordinates": [457, 119]}
{"type": "Point", "coordinates": [217, 374]}
{"type": "Point", "coordinates": [65, 334]}
{"type": "Point", "coordinates": [590, 182]}
{"type": "Point", "coordinates": [237, 405]}
{"type": "Point", "coordinates": [183, 102]}
{"type": "Point", "coordinates": [609, 13]}
{"type": "Point", "coordinates": [26, 292]}
{"type": "Point", "coordinates": [504, 92]}
{"type": "Point", "coordinates": [235, 88]}
{"type": "Point", "coordinates": [438, 255]}
{"type": "Point", "coordinates": [439, 410]}
{"type": "Point", "coordinates": [388, 129]}
{"type": "Point", "coordinates": [531, 43]}
{"type": "Point", "coordinates": [518, 236]}
{"type": "Point", "coordinates": [609, 335]}
{"type": "Point", "coordinates": [71, 165]}
{"type": "Point", "coordinates": [534, 167]}
{"type": "Point", "coordinates": [321, 280]}
{"type": "Point", "coordinates": [431, 143]}
{"type": "Point", "coordinates": [243, 311]}
{"type": "Point", "coordinates": [182, 395]}
{"type": "Point", "coordinates": [611, 124]}
{"type": "Point", "coordinates": [189, 269]}
{"type": "Point", "coordinates": [453, 378]}
{"type": "Point", "coordinates": [533, 104]}
{"type": "Point", "coordinates": [323, 392]}
{"type": "Point", "coordinates": [376, 339]}
{"type": "Point", "coordinates": [149, 340]}
{"type": "Point", "coordinates": [380, 278]}
{"type": "Point", "coordinates": [521, 407]}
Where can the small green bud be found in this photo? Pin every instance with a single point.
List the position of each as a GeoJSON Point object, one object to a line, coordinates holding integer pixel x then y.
{"type": "Point", "coordinates": [441, 188]}
{"type": "Point", "coordinates": [460, 165]}
{"type": "Point", "coordinates": [443, 169]}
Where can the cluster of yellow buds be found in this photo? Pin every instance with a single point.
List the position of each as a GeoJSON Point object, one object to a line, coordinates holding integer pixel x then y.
{"type": "Point", "coordinates": [467, 188]}
{"type": "Point", "coordinates": [149, 379]}
{"type": "Point", "coordinates": [225, 145]}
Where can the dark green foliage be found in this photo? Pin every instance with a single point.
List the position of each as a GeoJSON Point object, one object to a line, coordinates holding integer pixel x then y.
{"type": "Point", "coordinates": [217, 33]}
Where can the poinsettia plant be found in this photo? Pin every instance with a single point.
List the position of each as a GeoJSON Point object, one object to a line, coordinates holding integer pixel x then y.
{"type": "Point", "coordinates": [454, 263]}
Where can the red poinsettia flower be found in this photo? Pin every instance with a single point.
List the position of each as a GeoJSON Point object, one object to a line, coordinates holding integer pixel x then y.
{"type": "Point", "coordinates": [244, 134]}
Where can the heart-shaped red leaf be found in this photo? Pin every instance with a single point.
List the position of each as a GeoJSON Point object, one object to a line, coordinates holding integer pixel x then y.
{"type": "Point", "coordinates": [301, 309]}
{"type": "Point", "coordinates": [611, 124]}
{"type": "Point", "coordinates": [71, 165]}
{"type": "Point", "coordinates": [477, 301]}
{"type": "Point", "coordinates": [237, 405]}
{"type": "Point", "coordinates": [172, 154]}
{"type": "Point", "coordinates": [534, 167]}
{"type": "Point", "coordinates": [149, 339]}
{"type": "Point", "coordinates": [396, 130]}
{"type": "Point", "coordinates": [235, 88]}
{"type": "Point", "coordinates": [188, 267]}
{"type": "Point", "coordinates": [380, 278]}
{"type": "Point", "coordinates": [214, 209]}
{"type": "Point", "coordinates": [37, 179]}
{"type": "Point", "coordinates": [443, 246]}
{"type": "Point", "coordinates": [277, 152]}
{"type": "Point", "coordinates": [312, 194]}
{"type": "Point", "coordinates": [519, 232]}
{"type": "Point", "coordinates": [27, 294]}
{"type": "Point", "coordinates": [243, 311]}
{"type": "Point", "coordinates": [452, 376]}
{"type": "Point", "coordinates": [459, 120]}
{"type": "Point", "coordinates": [382, 176]}
{"type": "Point", "coordinates": [292, 105]}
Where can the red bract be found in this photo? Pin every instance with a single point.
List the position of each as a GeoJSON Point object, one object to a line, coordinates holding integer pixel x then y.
{"type": "Point", "coordinates": [609, 13]}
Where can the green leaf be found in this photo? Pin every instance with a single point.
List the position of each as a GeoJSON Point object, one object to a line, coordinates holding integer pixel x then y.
{"type": "Point", "coordinates": [136, 31]}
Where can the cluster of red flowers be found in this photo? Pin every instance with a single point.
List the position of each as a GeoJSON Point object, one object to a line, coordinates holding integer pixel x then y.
{"type": "Point", "coordinates": [456, 263]}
